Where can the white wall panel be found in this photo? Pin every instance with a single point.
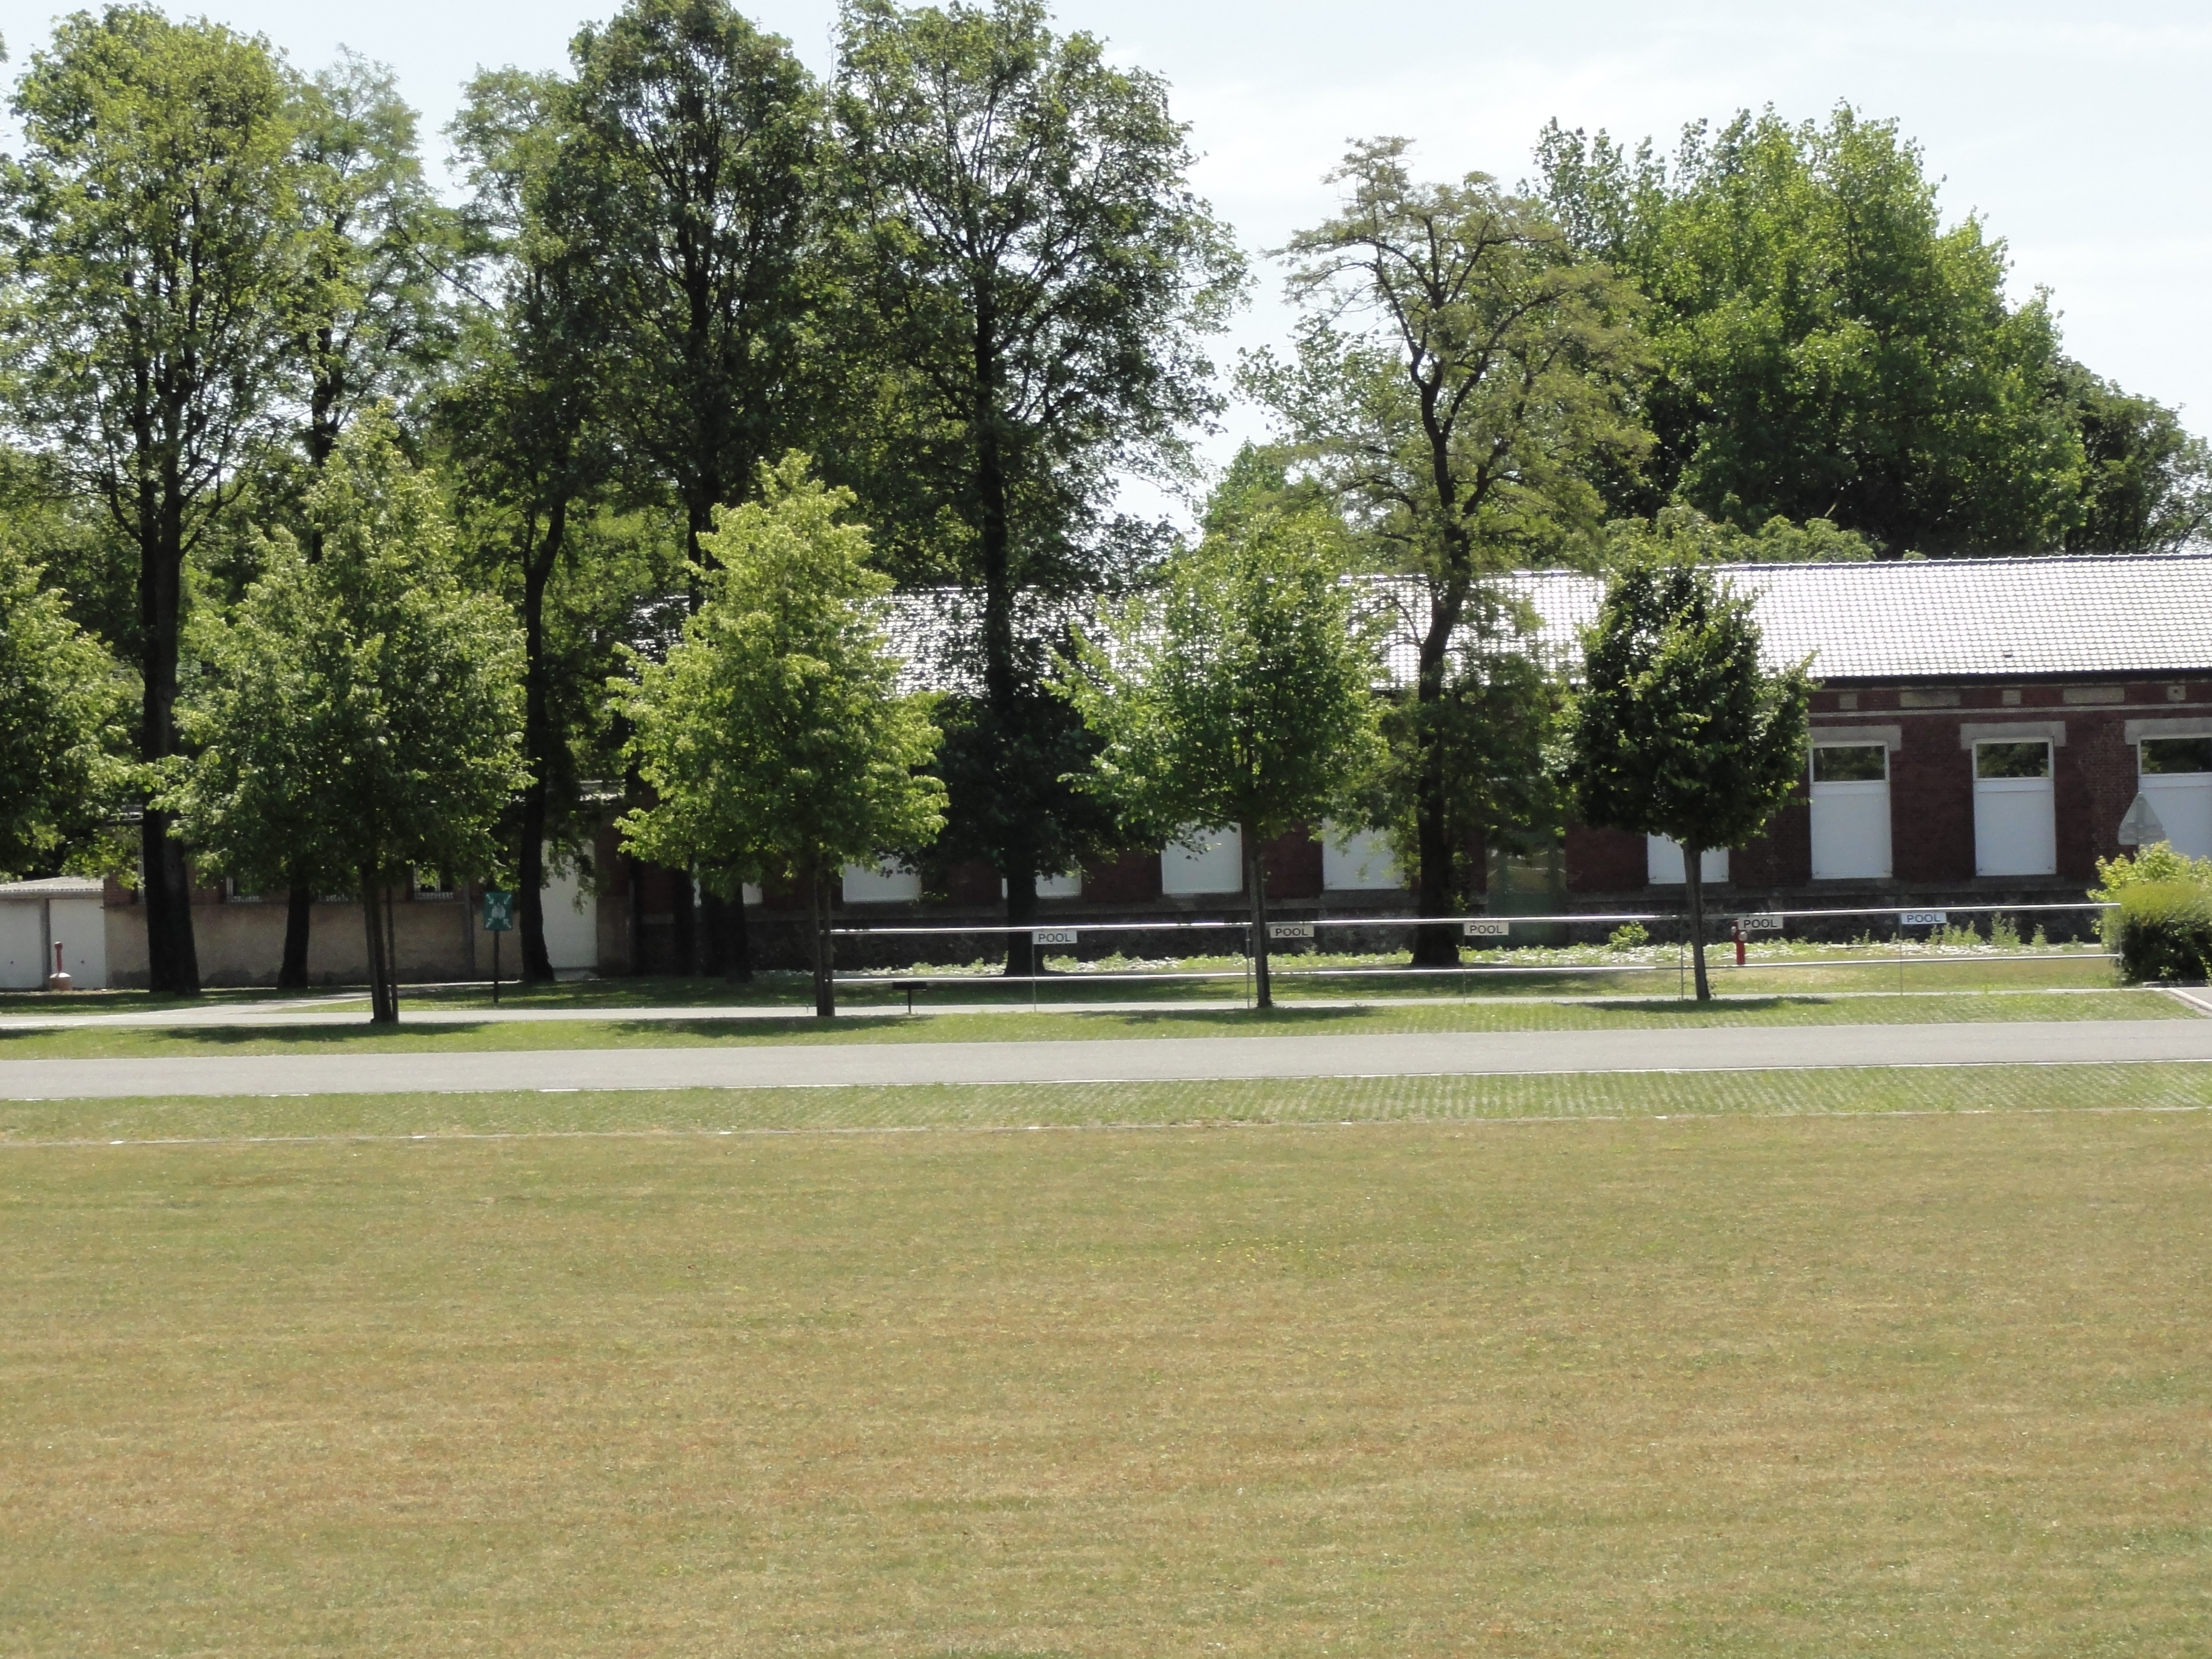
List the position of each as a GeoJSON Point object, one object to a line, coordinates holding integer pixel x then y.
{"type": "Point", "coordinates": [1362, 864]}
{"type": "Point", "coordinates": [885, 884]}
{"type": "Point", "coordinates": [1850, 830]}
{"type": "Point", "coordinates": [1662, 863]}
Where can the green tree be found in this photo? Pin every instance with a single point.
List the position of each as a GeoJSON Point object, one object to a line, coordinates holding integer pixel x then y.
{"type": "Point", "coordinates": [65, 725]}
{"type": "Point", "coordinates": [703, 131]}
{"type": "Point", "coordinates": [774, 736]}
{"type": "Point", "coordinates": [530, 433]}
{"type": "Point", "coordinates": [1679, 731]}
{"type": "Point", "coordinates": [1035, 275]}
{"type": "Point", "coordinates": [359, 716]}
{"type": "Point", "coordinates": [1826, 348]}
{"type": "Point", "coordinates": [372, 322]}
{"type": "Point", "coordinates": [1461, 376]}
{"type": "Point", "coordinates": [153, 251]}
{"type": "Point", "coordinates": [2150, 486]}
{"type": "Point", "coordinates": [1684, 535]}
{"type": "Point", "coordinates": [1243, 693]}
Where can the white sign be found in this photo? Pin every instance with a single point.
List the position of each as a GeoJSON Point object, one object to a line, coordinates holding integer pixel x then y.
{"type": "Point", "coordinates": [1764, 923]}
{"type": "Point", "coordinates": [1053, 936]}
{"type": "Point", "coordinates": [1924, 919]}
{"type": "Point", "coordinates": [1290, 930]}
{"type": "Point", "coordinates": [1488, 929]}
{"type": "Point", "coordinates": [2142, 827]}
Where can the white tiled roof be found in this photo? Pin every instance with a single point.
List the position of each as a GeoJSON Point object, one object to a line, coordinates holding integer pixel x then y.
{"type": "Point", "coordinates": [2080, 615]}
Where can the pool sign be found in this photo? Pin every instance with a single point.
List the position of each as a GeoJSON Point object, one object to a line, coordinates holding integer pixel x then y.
{"type": "Point", "coordinates": [1767, 922]}
{"type": "Point", "coordinates": [1052, 936]}
{"type": "Point", "coordinates": [1290, 930]}
{"type": "Point", "coordinates": [1924, 919]}
{"type": "Point", "coordinates": [498, 911]}
{"type": "Point", "coordinates": [1488, 929]}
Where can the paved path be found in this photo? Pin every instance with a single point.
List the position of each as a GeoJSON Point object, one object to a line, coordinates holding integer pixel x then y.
{"type": "Point", "coordinates": [1123, 1059]}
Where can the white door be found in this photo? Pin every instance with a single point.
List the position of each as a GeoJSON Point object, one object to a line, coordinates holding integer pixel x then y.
{"type": "Point", "coordinates": [23, 966]}
{"type": "Point", "coordinates": [1213, 862]}
{"type": "Point", "coordinates": [2015, 831]}
{"type": "Point", "coordinates": [572, 921]}
{"type": "Point", "coordinates": [1851, 811]}
{"type": "Point", "coordinates": [1662, 863]}
{"type": "Point", "coordinates": [2175, 776]}
{"type": "Point", "coordinates": [1362, 864]}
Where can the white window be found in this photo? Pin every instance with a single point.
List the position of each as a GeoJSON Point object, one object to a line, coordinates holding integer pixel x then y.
{"type": "Point", "coordinates": [2016, 833]}
{"type": "Point", "coordinates": [883, 883]}
{"type": "Point", "coordinates": [1851, 810]}
{"type": "Point", "coordinates": [1362, 864]}
{"type": "Point", "coordinates": [2175, 776]}
{"type": "Point", "coordinates": [1067, 886]}
{"type": "Point", "coordinates": [1662, 863]}
{"type": "Point", "coordinates": [1212, 861]}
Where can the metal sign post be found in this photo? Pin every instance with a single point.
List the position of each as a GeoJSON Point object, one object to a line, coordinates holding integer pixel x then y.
{"type": "Point", "coordinates": [498, 918]}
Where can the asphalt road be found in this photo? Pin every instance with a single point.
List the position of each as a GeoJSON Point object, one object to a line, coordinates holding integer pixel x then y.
{"type": "Point", "coordinates": [1119, 1060]}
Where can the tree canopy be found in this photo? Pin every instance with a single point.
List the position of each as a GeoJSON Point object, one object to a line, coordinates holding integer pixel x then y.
{"type": "Point", "coordinates": [64, 727]}
{"type": "Point", "coordinates": [1241, 694]}
{"type": "Point", "coordinates": [359, 716]}
{"type": "Point", "coordinates": [774, 736]}
{"type": "Point", "coordinates": [1680, 730]}
{"type": "Point", "coordinates": [1827, 347]}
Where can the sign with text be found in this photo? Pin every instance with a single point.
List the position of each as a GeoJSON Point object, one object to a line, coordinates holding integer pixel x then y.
{"type": "Point", "coordinates": [498, 911]}
{"type": "Point", "coordinates": [1764, 923]}
{"type": "Point", "coordinates": [1924, 919]}
{"type": "Point", "coordinates": [1488, 929]}
{"type": "Point", "coordinates": [1052, 936]}
{"type": "Point", "coordinates": [1290, 930]}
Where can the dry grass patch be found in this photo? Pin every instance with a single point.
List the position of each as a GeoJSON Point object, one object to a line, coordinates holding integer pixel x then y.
{"type": "Point", "coordinates": [1906, 1385]}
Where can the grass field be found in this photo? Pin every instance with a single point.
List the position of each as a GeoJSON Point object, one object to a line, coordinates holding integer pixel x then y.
{"type": "Point", "coordinates": [1827, 1363]}
{"type": "Point", "coordinates": [124, 1041]}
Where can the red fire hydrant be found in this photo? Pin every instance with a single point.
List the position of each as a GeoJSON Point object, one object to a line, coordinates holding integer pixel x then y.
{"type": "Point", "coordinates": [1738, 931]}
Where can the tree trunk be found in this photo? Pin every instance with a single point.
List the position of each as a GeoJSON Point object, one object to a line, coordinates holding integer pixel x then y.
{"type": "Point", "coordinates": [299, 918]}
{"type": "Point", "coordinates": [713, 931]}
{"type": "Point", "coordinates": [683, 917]}
{"type": "Point", "coordinates": [1436, 946]}
{"type": "Point", "coordinates": [635, 917]}
{"type": "Point", "coordinates": [537, 740]}
{"type": "Point", "coordinates": [391, 955]}
{"type": "Point", "coordinates": [382, 1010]}
{"type": "Point", "coordinates": [1256, 883]}
{"type": "Point", "coordinates": [173, 967]}
{"type": "Point", "coordinates": [817, 933]}
{"type": "Point", "coordinates": [1693, 878]}
{"type": "Point", "coordinates": [1022, 955]}
{"type": "Point", "coordinates": [736, 939]}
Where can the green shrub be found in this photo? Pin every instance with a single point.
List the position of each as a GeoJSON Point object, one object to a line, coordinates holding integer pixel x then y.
{"type": "Point", "coordinates": [1629, 936]}
{"type": "Point", "coordinates": [2157, 862]}
{"type": "Point", "coordinates": [2162, 930]}
{"type": "Point", "coordinates": [2004, 931]}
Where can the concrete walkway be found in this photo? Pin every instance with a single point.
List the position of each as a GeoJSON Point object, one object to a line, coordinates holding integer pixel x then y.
{"type": "Point", "coordinates": [1149, 1060]}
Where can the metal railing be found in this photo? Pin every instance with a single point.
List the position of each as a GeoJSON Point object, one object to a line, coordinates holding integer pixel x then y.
{"type": "Point", "coordinates": [1497, 931]}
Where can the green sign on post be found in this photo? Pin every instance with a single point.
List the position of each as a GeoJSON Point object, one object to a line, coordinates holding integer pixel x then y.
{"type": "Point", "coordinates": [498, 918]}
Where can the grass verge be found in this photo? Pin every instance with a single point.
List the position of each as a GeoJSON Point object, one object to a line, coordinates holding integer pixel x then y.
{"type": "Point", "coordinates": [1014, 1026]}
{"type": "Point", "coordinates": [1753, 1384]}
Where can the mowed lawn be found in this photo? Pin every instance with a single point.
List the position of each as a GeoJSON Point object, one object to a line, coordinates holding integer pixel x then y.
{"type": "Point", "coordinates": [319, 1034]}
{"type": "Point", "coordinates": [1919, 1382]}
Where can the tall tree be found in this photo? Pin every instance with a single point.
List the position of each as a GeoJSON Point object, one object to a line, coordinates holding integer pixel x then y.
{"type": "Point", "coordinates": [704, 131]}
{"type": "Point", "coordinates": [372, 319]}
{"type": "Point", "coordinates": [774, 735]}
{"type": "Point", "coordinates": [1243, 693]}
{"type": "Point", "coordinates": [360, 716]}
{"type": "Point", "coordinates": [154, 253]}
{"type": "Point", "coordinates": [1461, 376]}
{"type": "Point", "coordinates": [1681, 730]}
{"type": "Point", "coordinates": [2149, 483]}
{"type": "Point", "coordinates": [1037, 276]}
{"type": "Point", "coordinates": [1825, 346]}
{"type": "Point", "coordinates": [528, 428]}
{"type": "Point", "coordinates": [65, 725]}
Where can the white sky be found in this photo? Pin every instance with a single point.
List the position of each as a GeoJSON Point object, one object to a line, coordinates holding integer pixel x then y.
{"type": "Point", "coordinates": [2078, 132]}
